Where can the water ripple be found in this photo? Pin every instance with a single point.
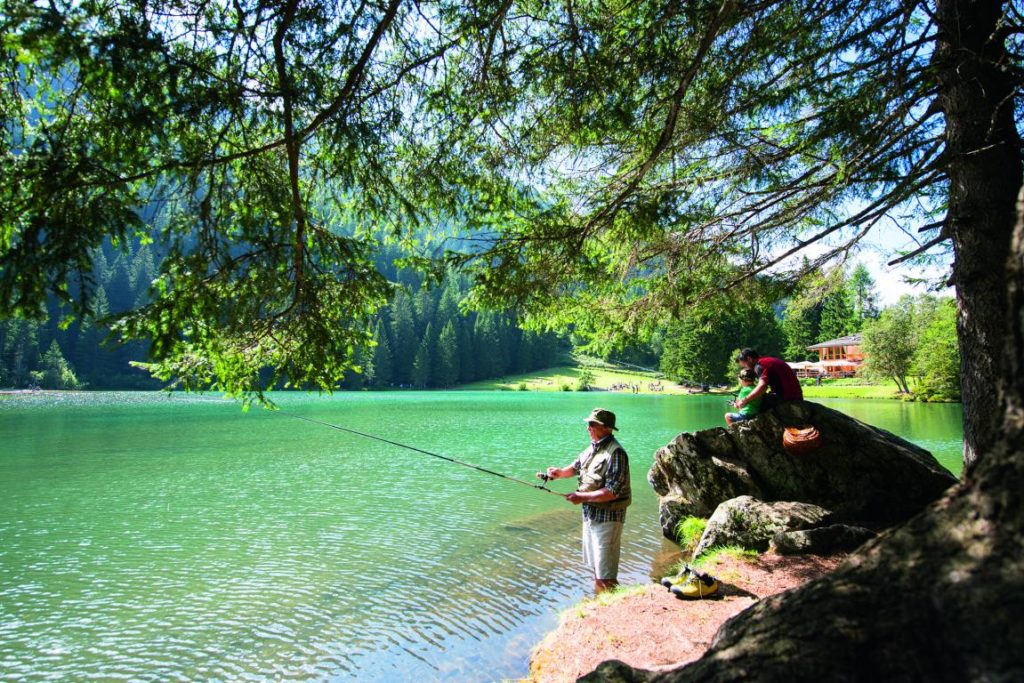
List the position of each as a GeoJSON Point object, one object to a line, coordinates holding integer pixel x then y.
{"type": "Point", "coordinates": [148, 538]}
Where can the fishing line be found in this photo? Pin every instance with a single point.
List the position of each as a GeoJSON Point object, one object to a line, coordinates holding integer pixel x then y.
{"type": "Point", "coordinates": [446, 458]}
{"type": "Point", "coordinates": [539, 487]}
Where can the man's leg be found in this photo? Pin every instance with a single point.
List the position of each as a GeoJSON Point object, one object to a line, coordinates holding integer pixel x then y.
{"type": "Point", "coordinates": [589, 555]}
{"type": "Point", "coordinates": [606, 539]}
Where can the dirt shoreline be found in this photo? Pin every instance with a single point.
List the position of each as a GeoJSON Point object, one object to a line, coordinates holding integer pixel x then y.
{"type": "Point", "coordinates": [653, 629]}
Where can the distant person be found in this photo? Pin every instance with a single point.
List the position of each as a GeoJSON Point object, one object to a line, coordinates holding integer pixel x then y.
{"type": "Point", "coordinates": [603, 490]}
{"type": "Point", "coordinates": [749, 409]}
{"type": "Point", "coordinates": [773, 373]}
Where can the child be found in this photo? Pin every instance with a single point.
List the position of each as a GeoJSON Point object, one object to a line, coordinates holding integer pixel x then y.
{"type": "Point", "coordinates": [747, 380]}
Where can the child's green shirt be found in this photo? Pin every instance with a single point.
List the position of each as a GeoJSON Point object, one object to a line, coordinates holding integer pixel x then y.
{"type": "Point", "coordinates": [751, 408]}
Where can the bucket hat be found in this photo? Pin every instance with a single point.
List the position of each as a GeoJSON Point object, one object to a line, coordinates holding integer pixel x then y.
{"type": "Point", "coordinates": [602, 417]}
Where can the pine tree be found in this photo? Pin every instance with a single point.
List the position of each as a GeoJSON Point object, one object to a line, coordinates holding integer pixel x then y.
{"type": "Point", "coordinates": [120, 294]}
{"type": "Point", "coordinates": [507, 333]}
{"type": "Point", "coordinates": [698, 349]}
{"type": "Point", "coordinates": [93, 361]}
{"type": "Point", "coordinates": [800, 325]}
{"type": "Point", "coordinates": [424, 308]}
{"type": "Point", "coordinates": [99, 264]}
{"type": "Point", "coordinates": [446, 365]}
{"type": "Point", "coordinates": [526, 354]}
{"type": "Point", "coordinates": [57, 372]}
{"type": "Point", "coordinates": [467, 355]}
{"type": "Point", "coordinates": [421, 369]}
{"type": "Point", "coordinates": [548, 355]}
{"type": "Point", "coordinates": [403, 331]}
{"type": "Point", "coordinates": [21, 350]}
{"type": "Point", "coordinates": [448, 306]}
{"type": "Point", "coordinates": [837, 315]}
{"type": "Point", "coordinates": [366, 360]}
{"type": "Point", "coordinates": [487, 346]}
{"type": "Point", "coordinates": [865, 299]}
{"type": "Point", "coordinates": [383, 359]}
{"type": "Point", "coordinates": [353, 380]}
{"type": "Point", "coordinates": [142, 271]}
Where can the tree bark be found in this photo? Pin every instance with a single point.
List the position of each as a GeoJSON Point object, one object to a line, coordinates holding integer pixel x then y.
{"type": "Point", "coordinates": [976, 94]}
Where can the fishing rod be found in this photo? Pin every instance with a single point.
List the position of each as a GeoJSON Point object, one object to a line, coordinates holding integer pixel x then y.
{"type": "Point", "coordinates": [539, 487]}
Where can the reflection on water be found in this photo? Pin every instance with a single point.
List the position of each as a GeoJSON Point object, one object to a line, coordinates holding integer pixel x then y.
{"type": "Point", "coordinates": [153, 538]}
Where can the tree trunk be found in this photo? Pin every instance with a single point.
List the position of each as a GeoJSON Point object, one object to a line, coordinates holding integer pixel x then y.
{"type": "Point", "coordinates": [976, 94]}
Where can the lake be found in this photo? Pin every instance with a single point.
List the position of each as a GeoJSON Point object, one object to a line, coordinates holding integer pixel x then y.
{"type": "Point", "coordinates": [153, 538]}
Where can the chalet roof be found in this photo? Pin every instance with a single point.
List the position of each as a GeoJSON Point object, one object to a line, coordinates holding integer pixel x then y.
{"type": "Point", "coordinates": [849, 340]}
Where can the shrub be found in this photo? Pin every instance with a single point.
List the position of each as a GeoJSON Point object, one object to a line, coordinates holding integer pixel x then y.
{"type": "Point", "coordinates": [586, 378]}
{"type": "Point", "coordinates": [688, 532]}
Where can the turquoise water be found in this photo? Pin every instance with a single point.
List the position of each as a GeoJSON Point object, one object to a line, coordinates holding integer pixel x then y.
{"type": "Point", "coordinates": [148, 538]}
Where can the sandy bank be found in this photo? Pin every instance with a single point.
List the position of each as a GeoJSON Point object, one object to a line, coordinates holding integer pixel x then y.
{"type": "Point", "coordinates": [653, 629]}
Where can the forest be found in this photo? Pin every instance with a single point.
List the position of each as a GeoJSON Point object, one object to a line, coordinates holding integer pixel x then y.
{"type": "Point", "coordinates": [423, 338]}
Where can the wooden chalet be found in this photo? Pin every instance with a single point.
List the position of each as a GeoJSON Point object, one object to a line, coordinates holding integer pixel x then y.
{"type": "Point", "coordinates": [836, 358]}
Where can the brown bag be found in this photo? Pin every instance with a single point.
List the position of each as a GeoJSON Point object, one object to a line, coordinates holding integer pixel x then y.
{"type": "Point", "coordinates": [800, 440]}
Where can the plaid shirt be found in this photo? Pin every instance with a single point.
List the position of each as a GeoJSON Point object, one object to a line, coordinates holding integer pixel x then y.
{"type": "Point", "coordinates": [618, 469]}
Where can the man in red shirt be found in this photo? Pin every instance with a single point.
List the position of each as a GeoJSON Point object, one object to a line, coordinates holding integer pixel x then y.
{"type": "Point", "coordinates": [773, 373]}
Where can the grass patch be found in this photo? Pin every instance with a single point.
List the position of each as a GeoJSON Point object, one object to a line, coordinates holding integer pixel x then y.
{"type": "Point", "coordinates": [709, 562]}
{"type": "Point", "coordinates": [860, 381]}
{"type": "Point", "coordinates": [688, 532]}
{"type": "Point", "coordinates": [852, 391]}
{"type": "Point", "coordinates": [568, 376]}
{"type": "Point", "coordinates": [607, 598]}
{"type": "Point", "coordinates": [715, 556]}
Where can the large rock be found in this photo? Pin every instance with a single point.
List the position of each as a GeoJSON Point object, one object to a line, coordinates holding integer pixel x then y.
{"type": "Point", "coordinates": [863, 474]}
{"type": "Point", "coordinates": [751, 523]}
{"type": "Point", "coordinates": [835, 538]}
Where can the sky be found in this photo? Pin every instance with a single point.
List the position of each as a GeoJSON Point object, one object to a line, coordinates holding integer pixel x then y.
{"type": "Point", "coordinates": [883, 246]}
{"type": "Point", "coordinates": [884, 243]}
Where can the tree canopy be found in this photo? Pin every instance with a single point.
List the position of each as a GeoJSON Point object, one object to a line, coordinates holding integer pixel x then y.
{"type": "Point", "coordinates": [606, 165]}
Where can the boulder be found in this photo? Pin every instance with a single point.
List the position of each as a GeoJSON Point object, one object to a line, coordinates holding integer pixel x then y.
{"type": "Point", "coordinates": [835, 538]}
{"type": "Point", "coordinates": [751, 523]}
{"type": "Point", "coordinates": [863, 474]}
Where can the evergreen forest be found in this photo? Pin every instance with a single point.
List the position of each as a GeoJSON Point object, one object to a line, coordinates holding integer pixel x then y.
{"type": "Point", "coordinates": [425, 338]}
{"type": "Point", "coordinates": [421, 338]}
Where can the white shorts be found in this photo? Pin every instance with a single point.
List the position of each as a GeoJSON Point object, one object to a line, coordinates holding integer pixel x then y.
{"type": "Point", "coordinates": [602, 543]}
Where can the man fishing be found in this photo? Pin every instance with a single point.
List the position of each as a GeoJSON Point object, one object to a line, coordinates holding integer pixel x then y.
{"type": "Point", "coordinates": [603, 471]}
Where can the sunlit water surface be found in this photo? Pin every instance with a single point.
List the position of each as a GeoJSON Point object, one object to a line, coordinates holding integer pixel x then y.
{"type": "Point", "coordinates": [148, 538]}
